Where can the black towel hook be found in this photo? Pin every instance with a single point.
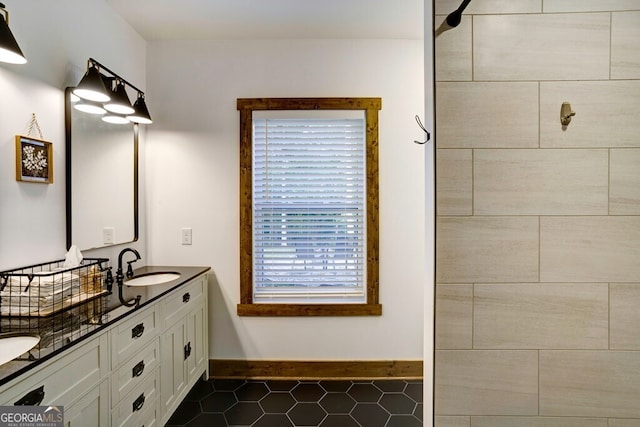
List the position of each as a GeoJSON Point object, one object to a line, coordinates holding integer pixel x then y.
{"type": "Point", "coordinates": [426, 131]}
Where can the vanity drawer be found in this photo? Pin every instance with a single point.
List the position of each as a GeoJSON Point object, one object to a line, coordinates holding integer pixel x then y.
{"type": "Point", "coordinates": [133, 334]}
{"type": "Point", "coordinates": [189, 296]}
{"type": "Point", "coordinates": [63, 380]}
{"type": "Point", "coordinates": [140, 406]}
{"type": "Point", "coordinates": [134, 371]}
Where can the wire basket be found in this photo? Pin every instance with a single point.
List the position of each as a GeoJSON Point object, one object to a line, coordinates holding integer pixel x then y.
{"type": "Point", "coordinates": [44, 289]}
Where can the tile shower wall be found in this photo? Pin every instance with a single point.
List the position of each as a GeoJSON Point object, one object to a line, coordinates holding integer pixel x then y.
{"type": "Point", "coordinates": [538, 225]}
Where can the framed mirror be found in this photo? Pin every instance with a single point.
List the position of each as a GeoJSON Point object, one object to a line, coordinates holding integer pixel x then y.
{"type": "Point", "coordinates": [102, 180]}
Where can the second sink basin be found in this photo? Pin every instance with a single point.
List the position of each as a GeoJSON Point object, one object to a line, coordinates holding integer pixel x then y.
{"type": "Point", "coordinates": [13, 345]}
{"type": "Point", "coordinates": [150, 279]}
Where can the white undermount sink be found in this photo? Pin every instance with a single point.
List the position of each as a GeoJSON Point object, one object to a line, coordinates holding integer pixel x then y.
{"type": "Point", "coordinates": [13, 345]}
{"type": "Point", "coordinates": [150, 279]}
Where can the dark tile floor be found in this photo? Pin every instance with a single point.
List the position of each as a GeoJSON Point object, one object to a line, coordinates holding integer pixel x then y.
{"type": "Point", "coordinates": [326, 403]}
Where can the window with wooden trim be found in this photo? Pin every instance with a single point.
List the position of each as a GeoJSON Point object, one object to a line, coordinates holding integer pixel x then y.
{"type": "Point", "coordinates": [309, 207]}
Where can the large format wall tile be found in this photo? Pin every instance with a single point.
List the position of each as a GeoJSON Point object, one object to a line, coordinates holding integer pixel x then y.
{"type": "Point", "coordinates": [590, 383]}
{"type": "Point", "coordinates": [444, 7]}
{"type": "Point", "coordinates": [452, 422]}
{"type": "Point", "coordinates": [589, 5]}
{"type": "Point", "coordinates": [541, 316]}
{"type": "Point", "coordinates": [625, 316]}
{"type": "Point", "coordinates": [541, 47]}
{"type": "Point", "coordinates": [454, 308]}
{"type": "Point", "coordinates": [623, 423]}
{"type": "Point", "coordinates": [537, 422]}
{"type": "Point", "coordinates": [486, 249]}
{"type": "Point", "coordinates": [478, 382]}
{"type": "Point", "coordinates": [606, 114]}
{"type": "Point", "coordinates": [541, 182]}
{"type": "Point", "coordinates": [624, 182]}
{"type": "Point", "coordinates": [590, 249]}
{"type": "Point", "coordinates": [454, 186]}
{"type": "Point", "coordinates": [453, 52]}
{"type": "Point", "coordinates": [487, 115]}
{"type": "Point", "coordinates": [625, 45]}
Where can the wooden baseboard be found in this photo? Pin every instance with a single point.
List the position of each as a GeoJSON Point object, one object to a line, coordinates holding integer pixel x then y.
{"type": "Point", "coordinates": [283, 369]}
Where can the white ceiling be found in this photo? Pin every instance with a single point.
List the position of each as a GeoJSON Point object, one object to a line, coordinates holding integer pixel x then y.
{"type": "Point", "coordinates": [255, 19]}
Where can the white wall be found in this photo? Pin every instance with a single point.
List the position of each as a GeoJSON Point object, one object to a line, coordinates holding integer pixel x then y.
{"type": "Point", "coordinates": [57, 38]}
{"type": "Point", "coordinates": [192, 181]}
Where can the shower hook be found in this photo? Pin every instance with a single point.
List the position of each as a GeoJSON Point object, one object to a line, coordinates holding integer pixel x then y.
{"type": "Point", "coordinates": [426, 131]}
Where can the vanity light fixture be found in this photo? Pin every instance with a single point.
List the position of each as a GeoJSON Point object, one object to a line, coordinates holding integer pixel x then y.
{"type": "Point", "coordinates": [89, 107]}
{"type": "Point", "coordinates": [141, 114]}
{"type": "Point", "coordinates": [115, 119]}
{"type": "Point", "coordinates": [119, 102]}
{"type": "Point", "coordinates": [99, 80]}
{"type": "Point", "coordinates": [91, 86]}
{"type": "Point", "coordinates": [9, 50]}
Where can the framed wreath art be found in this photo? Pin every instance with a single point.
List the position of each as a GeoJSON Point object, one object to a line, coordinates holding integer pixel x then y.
{"type": "Point", "coordinates": [34, 160]}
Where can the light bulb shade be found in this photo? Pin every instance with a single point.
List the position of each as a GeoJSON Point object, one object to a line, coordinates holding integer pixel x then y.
{"type": "Point", "coordinates": [119, 103]}
{"type": "Point", "coordinates": [9, 50]}
{"type": "Point", "coordinates": [91, 86]}
{"type": "Point", "coordinates": [141, 114]}
{"type": "Point", "coordinates": [115, 119]}
{"type": "Point", "coordinates": [89, 107]}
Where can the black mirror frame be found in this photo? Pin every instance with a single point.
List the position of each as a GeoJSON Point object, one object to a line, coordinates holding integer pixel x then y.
{"type": "Point", "coordinates": [68, 161]}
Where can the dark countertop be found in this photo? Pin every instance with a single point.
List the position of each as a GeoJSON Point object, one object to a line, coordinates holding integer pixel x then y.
{"type": "Point", "coordinates": [63, 330]}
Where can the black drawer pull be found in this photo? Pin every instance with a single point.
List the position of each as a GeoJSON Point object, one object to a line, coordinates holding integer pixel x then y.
{"type": "Point", "coordinates": [138, 403]}
{"type": "Point", "coordinates": [33, 398]}
{"type": "Point", "coordinates": [187, 350]}
{"type": "Point", "coordinates": [186, 297]}
{"type": "Point", "coordinates": [137, 330]}
{"type": "Point", "coordinates": [138, 369]}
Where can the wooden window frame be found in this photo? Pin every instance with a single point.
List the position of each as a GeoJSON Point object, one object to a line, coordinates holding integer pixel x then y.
{"type": "Point", "coordinates": [247, 307]}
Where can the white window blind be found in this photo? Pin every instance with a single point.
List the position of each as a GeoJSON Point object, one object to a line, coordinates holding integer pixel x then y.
{"type": "Point", "coordinates": [309, 210]}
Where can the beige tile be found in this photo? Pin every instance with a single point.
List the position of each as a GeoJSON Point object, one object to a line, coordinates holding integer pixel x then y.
{"type": "Point", "coordinates": [537, 422]}
{"type": "Point", "coordinates": [453, 52]}
{"type": "Point", "coordinates": [625, 44]}
{"type": "Point", "coordinates": [454, 308]}
{"type": "Point", "coordinates": [541, 316]}
{"type": "Point", "coordinates": [444, 7]}
{"type": "Point", "coordinates": [624, 182]}
{"type": "Point", "coordinates": [478, 382]}
{"type": "Point", "coordinates": [541, 47]}
{"type": "Point", "coordinates": [541, 182]}
{"type": "Point", "coordinates": [454, 170]}
{"type": "Point", "coordinates": [624, 423]}
{"type": "Point", "coordinates": [625, 316]}
{"type": "Point", "coordinates": [486, 249]}
{"type": "Point", "coordinates": [487, 115]}
{"type": "Point", "coordinates": [606, 114]}
{"type": "Point", "coordinates": [590, 383]}
{"type": "Point", "coordinates": [590, 249]}
{"type": "Point", "coordinates": [589, 5]}
{"type": "Point", "coordinates": [452, 422]}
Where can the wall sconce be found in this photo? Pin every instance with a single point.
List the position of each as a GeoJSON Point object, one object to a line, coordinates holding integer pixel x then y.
{"type": "Point", "coordinates": [9, 50]}
{"type": "Point", "coordinates": [100, 93]}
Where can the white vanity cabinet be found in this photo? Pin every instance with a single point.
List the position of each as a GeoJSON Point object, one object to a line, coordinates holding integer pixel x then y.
{"type": "Point", "coordinates": [184, 344]}
{"type": "Point", "coordinates": [134, 368]}
{"type": "Point", "coordinates": [134, 372]}
{"type": "Point", "coordinates": [77, 380]}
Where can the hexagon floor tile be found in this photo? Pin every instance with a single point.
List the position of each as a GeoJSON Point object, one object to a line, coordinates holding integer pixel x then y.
{"type": "Point", "coordinates": [273, 403]}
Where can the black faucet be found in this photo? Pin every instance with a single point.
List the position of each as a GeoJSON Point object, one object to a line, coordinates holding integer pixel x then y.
{"type": "Point", "coordinates": [120, 276]}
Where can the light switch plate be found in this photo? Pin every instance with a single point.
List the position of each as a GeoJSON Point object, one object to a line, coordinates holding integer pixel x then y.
{"type": "Point", "coordinates": [107, 235]}
{"type": "Point", "coordinates": [186, 236]}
